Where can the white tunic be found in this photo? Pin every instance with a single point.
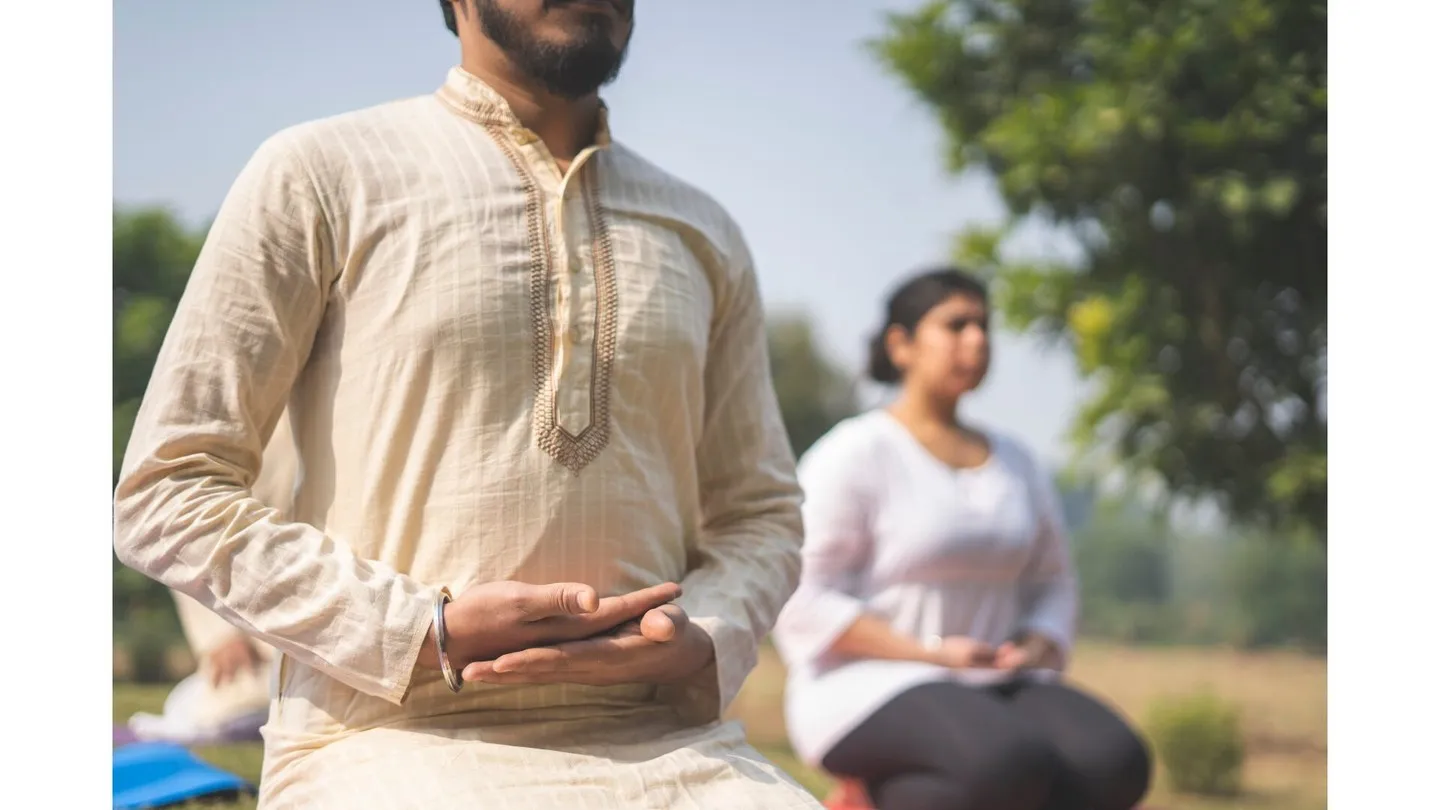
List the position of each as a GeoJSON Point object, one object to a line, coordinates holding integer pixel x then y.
{"type": "Point", "coordinates": [892, 531]}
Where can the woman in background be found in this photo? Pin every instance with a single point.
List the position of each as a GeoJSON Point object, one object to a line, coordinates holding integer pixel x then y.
{"type": "Point", "coordinates": [937, 604]}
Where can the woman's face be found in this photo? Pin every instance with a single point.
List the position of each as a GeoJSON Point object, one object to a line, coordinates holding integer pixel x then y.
{"type": "Point", "coordinates": [949, 352]}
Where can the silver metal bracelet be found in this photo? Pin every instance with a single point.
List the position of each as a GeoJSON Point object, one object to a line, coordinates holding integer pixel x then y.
{"type": "Point", "coordinates": [452, 678]}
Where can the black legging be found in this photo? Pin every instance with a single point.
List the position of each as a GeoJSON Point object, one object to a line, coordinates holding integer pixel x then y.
{"type": "Point", "coordinates": [1021, 746]}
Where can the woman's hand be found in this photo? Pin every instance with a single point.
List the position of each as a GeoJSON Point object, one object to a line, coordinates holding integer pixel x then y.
{"type": "Point", "coordinates": [960, 652]}
{"type": "Point", "coordinates": [491, 619]}
{"type": "Point", "coordinates": [1032, 651]}
{"type": "Point", "coordinates": [660, 648]}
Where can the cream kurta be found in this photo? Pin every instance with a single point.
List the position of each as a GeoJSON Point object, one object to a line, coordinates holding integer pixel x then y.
{"type": "Point", "coordinates": [204, 629]}
{"type": "Point", "coordinates": [492, 371]}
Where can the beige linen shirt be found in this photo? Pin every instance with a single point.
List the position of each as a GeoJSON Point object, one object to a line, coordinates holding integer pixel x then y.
{"type": "Point", "coordinates": [491, 370]}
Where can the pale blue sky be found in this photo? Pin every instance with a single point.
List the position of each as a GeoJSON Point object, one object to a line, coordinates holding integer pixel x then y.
{"type": "Point", "coordinates": [775, 108]}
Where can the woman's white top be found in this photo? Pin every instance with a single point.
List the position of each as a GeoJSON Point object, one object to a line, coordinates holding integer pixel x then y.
{"type": "Point", "coordinates": [892, 531]}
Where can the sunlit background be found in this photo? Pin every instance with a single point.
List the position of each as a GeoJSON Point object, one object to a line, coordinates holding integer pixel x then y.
{"type": "Point", "coordinates": [1156, 230]}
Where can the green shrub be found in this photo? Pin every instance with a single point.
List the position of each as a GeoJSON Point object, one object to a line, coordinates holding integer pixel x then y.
{"type": "Point", "coordinates": [1199, 741]}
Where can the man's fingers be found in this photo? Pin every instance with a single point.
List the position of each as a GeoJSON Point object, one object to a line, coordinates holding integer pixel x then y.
{"type": "Point", "coordinates": [484, 673]}
{"type": "Point", "coordinates": [581, 654]}
{"type": "Point", "coordinates": [479, 671]}
{"type": "Point", "coordinates": [630, 628]}
{"type": "Point", "coordinates": [610, 612]}
{"type": "Point", "coordinates": [584, 654]}
{"type": "Point", "coordinates": [558, 599]}
{"type": "Point", "coordinates": [616, 609]}
{"type": "Point", "coordinates": [665, 623]}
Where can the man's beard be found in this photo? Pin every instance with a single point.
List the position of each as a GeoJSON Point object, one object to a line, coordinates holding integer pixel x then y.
{"type": "Point", "coordinates": [573, 70]}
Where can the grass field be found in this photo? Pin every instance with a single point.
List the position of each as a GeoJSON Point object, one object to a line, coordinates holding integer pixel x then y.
{"type": "Point", "coordinates": [1282, 697]}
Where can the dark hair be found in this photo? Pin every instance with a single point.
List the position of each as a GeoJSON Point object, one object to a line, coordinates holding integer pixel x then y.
{"type": "Point", "coordinates": [910, 302]}
{"type": "Point", "coordinates": [448, 9]}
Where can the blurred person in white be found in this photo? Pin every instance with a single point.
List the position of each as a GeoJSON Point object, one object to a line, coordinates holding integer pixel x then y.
{"type": "Point", "coordinates": [937, 604]}
{"type": "Point", "coordinates": [546, 508]}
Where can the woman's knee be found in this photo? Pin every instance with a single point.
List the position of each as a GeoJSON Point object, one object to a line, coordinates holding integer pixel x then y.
{"type": "Point", "coordinates": [1016, 773]}
{"type": "Point", "coordinates": [917, 791]}
{"type": "Point", "coordinates": [1115, 771]}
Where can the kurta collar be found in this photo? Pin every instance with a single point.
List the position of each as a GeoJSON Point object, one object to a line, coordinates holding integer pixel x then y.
{"type": "Point", "coordinates": [470, 96]}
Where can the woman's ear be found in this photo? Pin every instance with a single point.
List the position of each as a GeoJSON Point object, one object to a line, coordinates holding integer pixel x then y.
{"type": "Point", "coordinates": [897, 342]}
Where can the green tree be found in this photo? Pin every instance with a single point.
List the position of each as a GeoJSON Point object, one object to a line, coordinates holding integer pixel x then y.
{"type": "Point", "coordinates": [153, 253]}
{"type": "Point", "coordinates": [1123, 561]}
{"type": "Point", "coordinates": [1183, 144]}
{"type": "Point", "coordinates": [814, 394]}
{"type": "Point", "coordinates": [1278, 593]}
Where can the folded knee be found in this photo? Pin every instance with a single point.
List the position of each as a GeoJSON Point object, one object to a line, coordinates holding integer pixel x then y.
{"type": "Point", "coordinates": [1115, 773]}
{"type": "Point", "coordinates": [1017, 773]}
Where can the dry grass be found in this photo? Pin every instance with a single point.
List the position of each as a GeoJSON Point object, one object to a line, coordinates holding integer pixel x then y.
{"type": "Point", "coordinates": [1282, 697]}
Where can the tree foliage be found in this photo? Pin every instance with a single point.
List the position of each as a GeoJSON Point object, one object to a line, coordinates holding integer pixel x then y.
{"type": "Point", "coordinates": [153, 253]}
{"type": "Point", "coordinates": [1143, 581]}
{"type": "Point", "coordinates": [1183, 144]}
{"type": "Point", "coordinates": [814, 394]}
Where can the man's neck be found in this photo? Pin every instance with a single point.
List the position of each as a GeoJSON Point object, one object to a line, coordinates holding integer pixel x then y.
{"type": "Point", "coordinates": [565, 125]}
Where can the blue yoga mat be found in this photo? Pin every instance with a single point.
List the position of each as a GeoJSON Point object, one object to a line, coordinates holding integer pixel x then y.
{"type": "Point", "coordinates": [160, 774]}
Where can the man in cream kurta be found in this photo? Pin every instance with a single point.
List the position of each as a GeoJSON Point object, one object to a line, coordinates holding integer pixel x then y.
{"type": "Point", "coordinates": [492, 369]}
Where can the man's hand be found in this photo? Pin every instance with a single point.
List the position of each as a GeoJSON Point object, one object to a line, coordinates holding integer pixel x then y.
{"type": "Point", "coordinates": [660, 648]}
{"type": "Point", "coordinates": [227, 660]}
{"type": "Point", "coordinates": [494, 618]}
{"type": "Point", "coordinates": [1032, 651]}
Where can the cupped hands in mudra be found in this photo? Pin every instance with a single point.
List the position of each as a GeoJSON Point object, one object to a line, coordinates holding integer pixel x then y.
{"type": "Point", "coordinates": [514, 632]}
{"type": "Point", "coordinates": [1024, 651]}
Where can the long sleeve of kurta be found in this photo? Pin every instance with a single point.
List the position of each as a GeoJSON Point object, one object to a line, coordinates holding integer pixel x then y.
{"type": "Point", "coordinates": [185, 513]}
{"type": "Point", "coordinates": [837, 544]}
{"type": "Point", "coordinates": [1049, 590]}
{"type": "Point", "coordinates": [204, 628]}
{"type": "Point", "coordinates": [746, 559]}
